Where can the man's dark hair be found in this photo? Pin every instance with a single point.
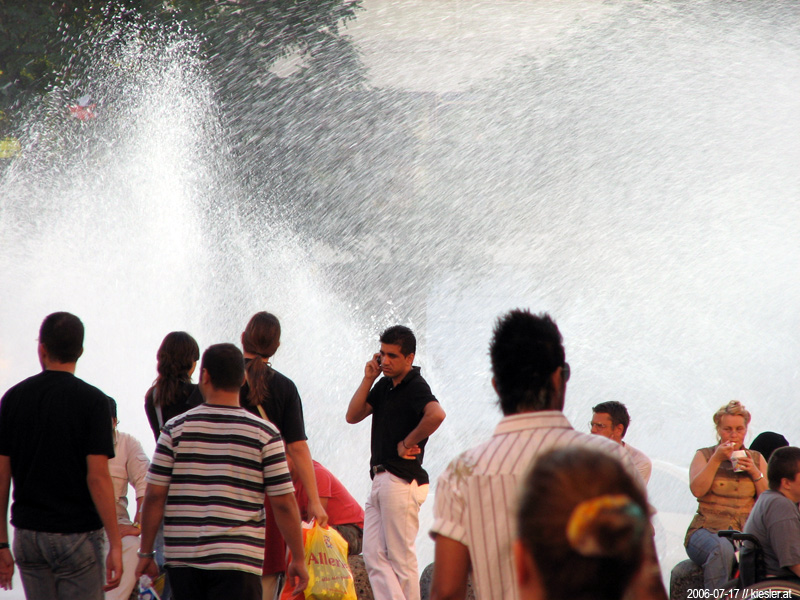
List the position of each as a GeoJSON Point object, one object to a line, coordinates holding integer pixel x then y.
{"type": "Point", "coordinates": [224, 364]}
{"type": "Point", "coordinates": [618, 413]}
{"type": "Point", "coordinates": [783, 464]}
{"type": "Point", "coordinates": [402, 336]}
{"type": "Point", "coordinates": [525, 350]}
{"type": "Point", "coordinates": [61, 334]}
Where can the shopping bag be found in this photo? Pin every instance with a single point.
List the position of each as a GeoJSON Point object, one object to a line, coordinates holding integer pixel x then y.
{"type": "Point", "coordinates": [329, 576]}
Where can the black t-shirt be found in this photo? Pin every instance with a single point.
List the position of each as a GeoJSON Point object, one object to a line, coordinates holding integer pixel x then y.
{"type": "Point", "coordinates": [189, 396]}
{"type": "Point", "coordinates": [284, 408]}
{"type": "Point", "coordinates": [396, 411]}
{"type": "Point", "coordinates": [49, 424]}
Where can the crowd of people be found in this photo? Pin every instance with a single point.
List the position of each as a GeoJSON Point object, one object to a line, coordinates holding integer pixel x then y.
{"type": "Point", "coordinates": [538, 511]}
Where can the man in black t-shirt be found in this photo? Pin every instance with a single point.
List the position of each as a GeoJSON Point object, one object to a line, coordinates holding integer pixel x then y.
{"type": "Point", "coordinates": [55, 442]}
{"type": "Point", "coordinates": [404, 413]}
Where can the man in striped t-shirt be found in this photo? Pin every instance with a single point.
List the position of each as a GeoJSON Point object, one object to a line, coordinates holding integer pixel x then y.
{"type": "Point", "coordinates": [211, 468]}
{"type": "Point", "coordinates": [476, 497]}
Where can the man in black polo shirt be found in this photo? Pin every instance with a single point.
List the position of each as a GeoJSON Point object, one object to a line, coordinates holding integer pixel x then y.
{"type": "Point", "coordinates": [56, 439]}
{"type": "Point", "coordinates": [404, 413]}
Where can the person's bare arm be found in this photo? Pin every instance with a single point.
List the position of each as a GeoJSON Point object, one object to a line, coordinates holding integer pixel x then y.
{"type": "Point", "coordinates": [431, 419]}
{"type": "Point", "coordinates": [287, 517]}
{"type": "Point", "coordinates": [795, 569]}
{"type": "Point", "coordinates": [6, 558]}
{"type": "Point", "coordinates": [301, 456]}
{"type": "Point", "coordinates": [451, 568]}
{"type": "Point", "coordinates": [702, 472]}
{"type": "Point", "coordinates": [101, 489]}
{"type": "Point", "coordinates": [359, 409]}
{"type": "Point", "coordinates": [155, 498]}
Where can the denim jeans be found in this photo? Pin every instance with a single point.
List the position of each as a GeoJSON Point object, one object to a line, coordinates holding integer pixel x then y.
{"type": "Point", "coordinates": [714, 554]}
{"type": "Point", "coordinates": [60, 566]}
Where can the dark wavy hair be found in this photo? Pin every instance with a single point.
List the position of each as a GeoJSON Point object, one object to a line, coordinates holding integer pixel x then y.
{"type": "Point", "coordinates": [617, 412]}
{"type": "Point", "coordinates": [525, 350]}
{"type": "Point", "coordinates": [175, 357]}
{"type": "Point", "coordinates": [583, 520]}
{"type": "Point", "coordinates": [261, 337]}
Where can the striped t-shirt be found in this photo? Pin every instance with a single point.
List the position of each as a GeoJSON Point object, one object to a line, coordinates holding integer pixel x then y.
{"type": "Point", "coordinates": [476, 496]}
{"type": "Point", "coordinates": [218, 462]}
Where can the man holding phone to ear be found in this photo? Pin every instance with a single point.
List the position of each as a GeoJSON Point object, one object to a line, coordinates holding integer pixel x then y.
{"type": "Point", "coordinates": [404, 413]}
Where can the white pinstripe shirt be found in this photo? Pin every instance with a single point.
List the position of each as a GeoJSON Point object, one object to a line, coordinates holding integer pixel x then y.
{"type": "Point", "coordinates": [476, 496]}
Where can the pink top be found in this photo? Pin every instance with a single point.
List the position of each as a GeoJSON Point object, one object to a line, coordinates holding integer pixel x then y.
{"type": "Point", "coordinates": [342, 508]}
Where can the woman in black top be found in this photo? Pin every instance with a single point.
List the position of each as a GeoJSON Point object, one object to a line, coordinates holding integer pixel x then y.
{"type": "Point", "coordinates": [171, 393]}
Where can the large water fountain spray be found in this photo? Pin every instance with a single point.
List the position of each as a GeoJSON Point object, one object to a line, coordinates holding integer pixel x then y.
{"type": "Point", "coordinates": [629, 167]}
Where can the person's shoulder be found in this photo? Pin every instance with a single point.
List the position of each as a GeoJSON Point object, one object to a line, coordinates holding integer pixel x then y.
{"type": "Point", "coordinates": [20, 387]}
{"type": "Point", "coordinates": [636, 453]}
{"type": "Point", "coordinates": [465, 464]}
{"type": "Point", "coordinates": [180, 419]}
{"type": "Point", "coordinates": [123, 437]}
{"type": "Point", "coordinates": [599, 442]}
{"type": "Point", "coordinates": [86, 389]}
{"type": "Point", "coordinates": [244, 416]}
{"type": "Point", "coordinates": [321, 472]}
{"type": "Point", "coordinates": [418, 385]}
{"type": "Point", "coordinates": [279, 381]}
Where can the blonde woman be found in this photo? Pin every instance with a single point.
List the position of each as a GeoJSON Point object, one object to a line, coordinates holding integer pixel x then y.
{"type": "Point", "coordinates": [725, 493]}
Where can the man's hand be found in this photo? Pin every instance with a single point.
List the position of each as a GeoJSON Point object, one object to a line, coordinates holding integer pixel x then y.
{"type": "Point", "coordinates": [113, 568]}
{"type": "Point", "coordinates": [129, 530]}
{"type": "Point", "coordinates": [316, 511]}
{"type": "Point", "coordinates": [146, 566]}
{"type": "Point", "coordinates": [373, 367]}
{"type": "Point", "coordinates": [409, 453]}
{"type": "Point", "coordinates": [6, 568]}
{"type": "Point", "coordinates": [297, 574]}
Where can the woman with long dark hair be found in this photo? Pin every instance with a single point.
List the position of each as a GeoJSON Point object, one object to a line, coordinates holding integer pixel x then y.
{"type": "Point", "coordinates": [273, 396]}
{"type": "Point", "coordinates": [171, 392]}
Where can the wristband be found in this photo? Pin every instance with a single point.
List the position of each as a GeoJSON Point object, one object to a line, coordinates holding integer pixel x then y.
{"type": "Point", "coordinates": [759, 479]}
{"type": "Point", "coordinates": [4, 545]}
{"type": "Point", "coordinates": [403, 441]}
{"type": "Point", "coordinates": [141, 554]}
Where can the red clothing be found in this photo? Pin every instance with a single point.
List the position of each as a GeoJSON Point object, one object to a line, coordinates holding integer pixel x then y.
{"type": "Point", "coordinates": [342, 508]}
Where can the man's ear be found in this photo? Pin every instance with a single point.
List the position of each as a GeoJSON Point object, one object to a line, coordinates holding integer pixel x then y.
{"type": "Point", "coordinates": [527, 574]}
{"type": "Point", "coordinates": [559, 389]}
{"type": "Point", "coordinates": [494, 385]}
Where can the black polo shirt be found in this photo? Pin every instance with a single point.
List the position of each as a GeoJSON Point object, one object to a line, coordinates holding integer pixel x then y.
{"type": "Point", "coordinates": [396, 411]}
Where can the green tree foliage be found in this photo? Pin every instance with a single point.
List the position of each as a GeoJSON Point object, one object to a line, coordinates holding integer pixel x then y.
{"type": "Point", "coordinates": [38, 37]}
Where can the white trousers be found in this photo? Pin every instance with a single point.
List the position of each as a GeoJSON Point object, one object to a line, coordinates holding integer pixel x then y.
{"type": "Point", "coordinates": [391, 523]}
{"type": "Point", "coordinates": [130, 546]}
